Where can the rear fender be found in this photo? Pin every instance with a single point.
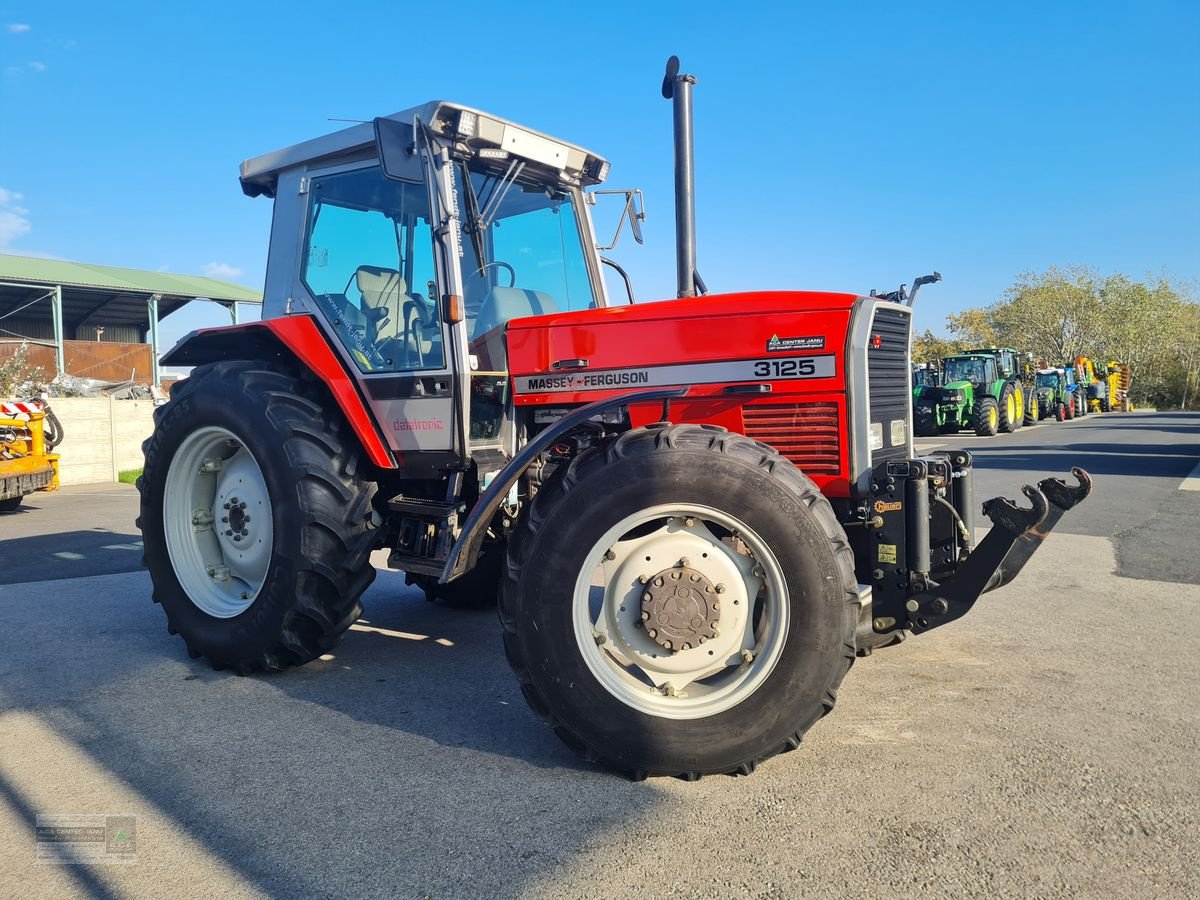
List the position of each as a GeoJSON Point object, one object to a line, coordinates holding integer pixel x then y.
{"type": "Point", "coordinates": [298, 340]}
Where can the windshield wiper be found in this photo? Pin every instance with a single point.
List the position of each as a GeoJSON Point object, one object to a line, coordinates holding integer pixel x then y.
{"type": "Point", "coordinates": [474, 225]}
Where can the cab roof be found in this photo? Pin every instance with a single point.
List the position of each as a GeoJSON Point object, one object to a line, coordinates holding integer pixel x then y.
{"type": "Point", "coordinates": [260, 174]}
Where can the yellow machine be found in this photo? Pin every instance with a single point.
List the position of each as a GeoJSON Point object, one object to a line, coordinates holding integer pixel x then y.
{"type": "Point", "coordinates": [1119, 378]}
{"type": "Point", "coordinates": [26, 463]}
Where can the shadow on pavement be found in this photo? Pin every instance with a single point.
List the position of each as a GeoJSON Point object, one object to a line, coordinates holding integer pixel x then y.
{"type": "Point", "coordinates": [381, 770]}
{"type": "Point", "coordinates": [71, 554]}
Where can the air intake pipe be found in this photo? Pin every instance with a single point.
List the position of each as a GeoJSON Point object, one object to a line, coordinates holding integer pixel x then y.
{"type": "Point", "coordinates": [678, 89]}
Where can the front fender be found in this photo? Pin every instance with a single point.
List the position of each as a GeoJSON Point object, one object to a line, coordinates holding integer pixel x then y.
{"type": "Point", "coordinates": [294, 339]}
{"type": "Point", "coordinates": [466, 549]}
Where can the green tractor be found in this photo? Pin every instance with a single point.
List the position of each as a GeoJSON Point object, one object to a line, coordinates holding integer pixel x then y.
{"type": "Point", "coordinates": [1053, 399]}
{"type": "Point", "coordinates": [969, 397]}
{"type": "Point", "coordinates": [924, 375]}
{"type": "Point", "coordinates": [1017, 402]}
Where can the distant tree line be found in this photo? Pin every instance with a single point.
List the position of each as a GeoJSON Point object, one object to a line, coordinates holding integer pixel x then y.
{"type": "Point", "coordinates": [1152, 326]}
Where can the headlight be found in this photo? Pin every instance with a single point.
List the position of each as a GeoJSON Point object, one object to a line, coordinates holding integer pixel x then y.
{"type": "Point", "coordinates": [899, 432]}
{"type": "Point", "coordinates": [876, 435]}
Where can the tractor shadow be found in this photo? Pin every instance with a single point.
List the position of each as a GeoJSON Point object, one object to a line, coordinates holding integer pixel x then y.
{"type": "Point", "coordinates": [430, 670]}
{"type": "Point", "coordinates": [404, 763]}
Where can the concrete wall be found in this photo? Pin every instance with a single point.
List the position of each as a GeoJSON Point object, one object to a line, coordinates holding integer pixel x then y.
{"type": "Point", "coordinates": [103, 437]}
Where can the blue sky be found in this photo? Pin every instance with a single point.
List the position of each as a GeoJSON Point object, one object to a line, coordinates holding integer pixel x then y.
{"type": "Point", "coordinates": [837, 149]}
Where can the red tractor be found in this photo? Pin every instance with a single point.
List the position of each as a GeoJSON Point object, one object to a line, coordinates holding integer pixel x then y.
{"type": "Point", "coordinates": [694, 513]}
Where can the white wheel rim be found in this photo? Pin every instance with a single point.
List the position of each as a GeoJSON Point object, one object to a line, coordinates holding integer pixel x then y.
{"type": "Point", "coordinates": [217, 522]}
{"type": "Point", "coordinates": [707, 678]}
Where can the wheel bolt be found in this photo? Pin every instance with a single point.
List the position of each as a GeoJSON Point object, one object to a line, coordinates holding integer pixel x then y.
{"type": "Point", "coordinates": [646, 598]}
{"type": "Point", "coordinates": [227, 506]}
{"type": "Point", "coordinates": [689, 522]}
{"type": "Point", "coordinates": [643, 579]}
{"type": "Point", "coordinates": [645, 615]}
{"type": "Point", "coordinates": [224, 519]}
{"type": "Point", "coordinates": [228, 532]}
{"type": "Point", "coordinates": [695, 578]}
{"type": "Point", "coordinates": [600, 638]}
{"type": "Point", "coordinates": [685, 562]}
{"type": "Point", "coordinates": [610, 555]}
{"type": "Point", "coordinates": [666, 644]}
{"type": "Point", "coordinates": [720, 588]}
{"type": "Point", "coordinates": [716, 606]}
{"type": "Point", "coordinates": [653, 632]}
{"type": "Point", "coordinates": [245, 518]}
{"type": "Point", "coordinates": [658, 582]}
{"type": "Point", "coordinates": [237, 537]}
{"type": "Point", "coordinates": [747, 656]}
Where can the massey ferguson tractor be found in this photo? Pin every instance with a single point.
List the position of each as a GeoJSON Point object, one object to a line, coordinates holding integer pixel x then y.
{"type": "Point", "coordinates": [695, 513]}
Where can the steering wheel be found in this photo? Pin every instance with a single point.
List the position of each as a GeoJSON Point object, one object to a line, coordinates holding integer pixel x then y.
{"type": "Point", "coordinates": [512, 273]}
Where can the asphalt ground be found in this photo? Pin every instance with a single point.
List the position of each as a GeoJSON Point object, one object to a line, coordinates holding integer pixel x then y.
{"type": "Point", "coordinates": [1044, 745]}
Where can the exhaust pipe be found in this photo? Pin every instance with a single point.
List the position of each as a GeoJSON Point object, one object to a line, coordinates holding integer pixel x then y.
{"type": "Point", "coordinates": [678, 89]}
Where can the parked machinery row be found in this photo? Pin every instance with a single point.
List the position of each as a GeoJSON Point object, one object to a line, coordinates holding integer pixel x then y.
{"type": "Point", "coordinates": [994, 389]}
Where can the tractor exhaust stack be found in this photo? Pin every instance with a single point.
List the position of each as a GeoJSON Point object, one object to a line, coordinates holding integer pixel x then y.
{"type": "Point", "coordinates": [678, 89]}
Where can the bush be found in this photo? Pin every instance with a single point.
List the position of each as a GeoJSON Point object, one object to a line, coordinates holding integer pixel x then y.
{"type": "Point", "coordinates": [18, 378]}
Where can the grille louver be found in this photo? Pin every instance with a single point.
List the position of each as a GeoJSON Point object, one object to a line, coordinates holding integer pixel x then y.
{"type": "Point", "coordinates": [887, 377]}
{"type": "Point", "coordinates": [808, 434]}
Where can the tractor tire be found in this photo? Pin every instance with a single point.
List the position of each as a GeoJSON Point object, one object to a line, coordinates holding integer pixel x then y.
{"type": "Point", "coordinates": [1060, 411]}
{"type": "Point", "coordinates": [12, 504]}
{"type": "Point", "coordinates": [1032, 412]}
{"type": "Point", "coordinates": [1072, 404]}
{"type": "Point", "coordinates": [1081, 405]}
{"type": "Point", "coordinates": [1105, 404]}
{"type": "Point", "coordinates": [925, 422]}
{"type": "Point", "coordinates": [1008, 409]}
{"type": "Point", "coordinates": [631, 507]}
{"type": "Point", "coordinates": [987, 417]}
{"type": "Point", "coordinates": [286, 595]}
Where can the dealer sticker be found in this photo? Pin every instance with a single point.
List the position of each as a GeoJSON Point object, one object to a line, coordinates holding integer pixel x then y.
{"type": "Point", "coordinates": [887, 553]}
{"type": "Point", "coordinates": [781, 345]}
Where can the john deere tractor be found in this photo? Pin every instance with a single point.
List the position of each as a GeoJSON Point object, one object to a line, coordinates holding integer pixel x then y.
{"type": "Point", "coordinates": [1018, 405]}
{"type": "Point", "coordinates": [1052, 397]}
{"type": "Point", "coordinates": [968, 398]}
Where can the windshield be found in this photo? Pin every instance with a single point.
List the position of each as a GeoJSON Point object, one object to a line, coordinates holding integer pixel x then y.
{"type": "Point", "coordinates": [523, 250]}
{"type": "Point", "coordinates": [972, 370]}
{"type": "Point", "coordinates": [1049, 379]}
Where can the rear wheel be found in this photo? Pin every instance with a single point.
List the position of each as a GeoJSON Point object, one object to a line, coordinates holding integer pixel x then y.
{"type": "Point", "coordinates": [12, 504]}
{"type": "Point", "coordinates": [665, 624]}
{"type": "Point", "coordinates": [1009, 409]}
{"type": "Point", "coordinates": [1031, 408]}
{"type": "Point", "coordinates": [987, 417]}
{"type": "Point", "coordinates": [256, 517]}
{"type": "Point", "coordinates": [1060, 411]}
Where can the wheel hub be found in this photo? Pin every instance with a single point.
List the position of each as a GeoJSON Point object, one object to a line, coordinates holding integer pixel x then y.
{"type": "Point", "coordinates": [680, 608]}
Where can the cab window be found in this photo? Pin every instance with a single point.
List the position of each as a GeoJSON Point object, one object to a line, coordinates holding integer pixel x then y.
{"type": "Point", "coordinates": [368, 264]}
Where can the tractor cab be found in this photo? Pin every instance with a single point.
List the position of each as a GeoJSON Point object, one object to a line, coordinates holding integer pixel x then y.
{"type": "Point", "coordinates": [422, 235]}
{"type": "Point", "coordinates": [972, 369]}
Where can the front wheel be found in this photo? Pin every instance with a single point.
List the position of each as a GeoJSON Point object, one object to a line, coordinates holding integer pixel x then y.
{"type": "Point", "coordinates": [255, 517]}
{"type": "Point", "coordinates": [987, 417]}
{"type": "Point", "coordinates": [1032, 411]}
{"type": "Point", "coordinates": [12, 504]}
{"type": "Point", "coordinates": [665, 624]}
{"type": "Point", "coordinates": [1060, 411]}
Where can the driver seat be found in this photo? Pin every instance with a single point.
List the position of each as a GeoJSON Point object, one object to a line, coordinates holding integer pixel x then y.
{"type": "Point", "coordinates": [383, 292]}
{"type": "Point", "coordinates": [504, 303]}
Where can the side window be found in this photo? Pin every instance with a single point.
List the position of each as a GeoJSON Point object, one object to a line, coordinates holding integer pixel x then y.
{"type": "Point", "coordinates": [368, 264]}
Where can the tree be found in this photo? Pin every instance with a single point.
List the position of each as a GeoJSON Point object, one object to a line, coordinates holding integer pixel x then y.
{"type": "Point", "coordinates": [929, 348]}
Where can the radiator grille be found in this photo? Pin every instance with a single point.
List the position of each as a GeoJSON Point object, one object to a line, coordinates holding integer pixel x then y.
{"type": "Point", "coordinates": [808, 434]}
{"type": "Point", "coordinates": [887, 378]}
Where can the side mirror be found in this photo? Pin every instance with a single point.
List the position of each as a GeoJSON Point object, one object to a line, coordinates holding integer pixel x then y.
{"type": "Point", "coordinates": [634, 212]}
{"type": "Point", "coordinates": [394, 144]}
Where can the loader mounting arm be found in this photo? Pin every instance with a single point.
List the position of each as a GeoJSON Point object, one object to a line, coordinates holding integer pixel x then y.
{"type": "Point", "coordinates": [466, 549]}
{"type": "Point", "coordinates": [296, 340]}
